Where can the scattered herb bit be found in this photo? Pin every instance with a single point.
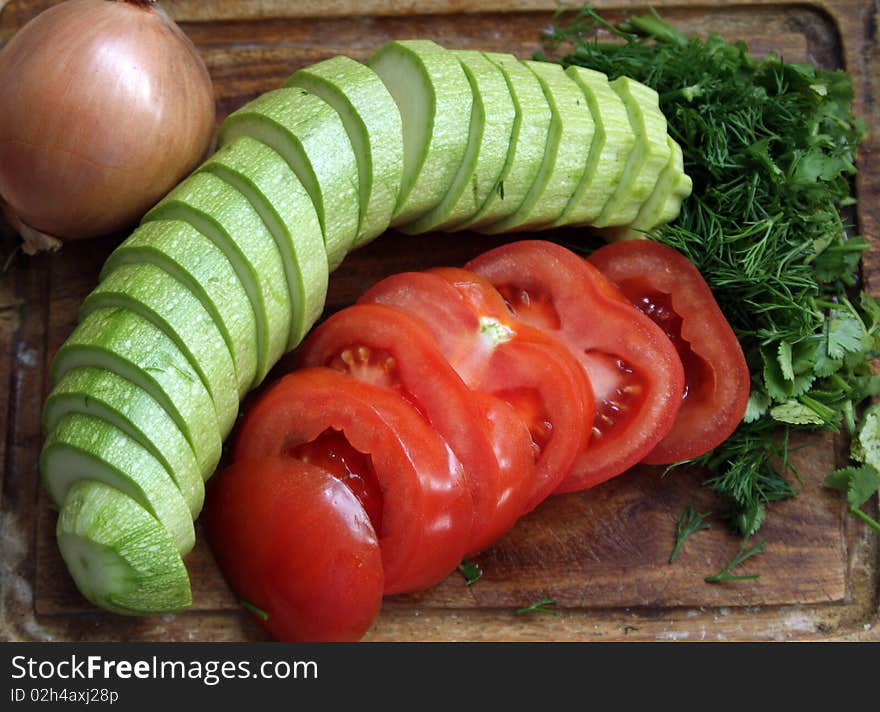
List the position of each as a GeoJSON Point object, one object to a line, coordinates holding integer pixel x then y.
{"type": "Point", "coordinates": [689, 522]}
{"type": "Point", "coordinates": [627, 629]}
{"type": "Point", "coordinates": [770, 147]}
{"type": "Point", "coordinates": [539, 607]}
{"type": "Point", "coordinates": [860, 484]}
{"type": "Point", "coordinates": [259, 612]}
{"type": "Point", "coordinates": [742, 555]}
{"type": "Point", "coordinates": [470, 571]}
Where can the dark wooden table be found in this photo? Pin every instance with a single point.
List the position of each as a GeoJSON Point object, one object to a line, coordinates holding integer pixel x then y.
{"type": "Point", "coordinates": [602, 554]}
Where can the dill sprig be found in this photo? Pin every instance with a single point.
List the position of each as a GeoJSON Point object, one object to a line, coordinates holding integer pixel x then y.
{"type": "Point", "coordinates": [688, 522]}
{"type": "Point", "coordinates": [743, 554]}
{"type": "Point", "coordinates": [770, 147]}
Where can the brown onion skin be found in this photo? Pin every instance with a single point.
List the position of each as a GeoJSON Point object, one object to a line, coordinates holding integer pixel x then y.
{"type": "Point", "coordinates": [104, 107]}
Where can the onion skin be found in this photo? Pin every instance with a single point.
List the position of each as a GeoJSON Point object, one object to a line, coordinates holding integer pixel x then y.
{"type": "Point", "coordinates": [104, 107]}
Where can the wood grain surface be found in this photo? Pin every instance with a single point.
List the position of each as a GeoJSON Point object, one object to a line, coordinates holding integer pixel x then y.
{"type": "Point", "coordinates": [602, 554]}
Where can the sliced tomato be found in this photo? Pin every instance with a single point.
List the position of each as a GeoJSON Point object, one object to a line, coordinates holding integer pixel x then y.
{"type": "Point", "coordinates": [670, 290]}
{"type": "Point", "coordinates": [389, 347]}
{"type": "Point", "coordinates": [493, 353]}
{"type": "Point", "coordinates": [320, 415]}
{"type": "Point", "coordinates": [295, 543]}
{"type": "Point", "coordinates": [635, 372]}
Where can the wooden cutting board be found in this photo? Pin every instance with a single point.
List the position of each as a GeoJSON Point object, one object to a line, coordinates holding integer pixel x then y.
{"type": "Point", "coordinates": [602, 554]}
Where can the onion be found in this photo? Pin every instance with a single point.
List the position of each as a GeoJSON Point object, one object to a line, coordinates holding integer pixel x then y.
{"type": "Point", "coordinates": [105, 105]}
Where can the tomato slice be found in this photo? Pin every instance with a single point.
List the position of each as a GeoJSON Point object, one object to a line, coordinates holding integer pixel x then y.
{"type": "Point", "coordinates": [636, 374]}
{"type": "Point", "coordinates": [493, 353]}
{"type": "Point", "coordinates": [389, 347]}
{"type": "Point", "coordinates": [426, 509]}
{"type": "Point", "coordinates": [295, 543]}
{"type": "Point", "coordinates": [669, 289]}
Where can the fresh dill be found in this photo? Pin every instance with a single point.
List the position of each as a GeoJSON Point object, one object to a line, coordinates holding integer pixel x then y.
{"type": "Point", "coordinates": [689, 522]}
{"type": "Point", "coordinates": [541, 606]}
{"type": "Point", "coordinates": [771, 147]}
{"type": "Point", "coordinates": [743, 554]}
{"type": "Point", "coordinates": [258, 612]}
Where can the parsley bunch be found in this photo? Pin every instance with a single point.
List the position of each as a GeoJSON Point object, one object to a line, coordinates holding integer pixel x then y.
{"type": "Point", "coordinates": [771, 148]}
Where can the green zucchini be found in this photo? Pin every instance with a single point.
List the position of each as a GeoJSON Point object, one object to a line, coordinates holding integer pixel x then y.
{"type": "Point", "coordinates": [103, 394]}
{"type": "Point", "coordinates": [311, 137]}
{"type": "Point", "coordinates": [646, 160]}
{"type": "Point", "coordinates": [528, 138]}
{"type": "Point", "coordinates": [373, 124]}
{"type": "Point", "coordinates": [195, 261]}
{"type": "Point", "coordinates": [612, 143]}
{"type": "Point", "coordinates": [220, 212]}
{"type": "Point", "coordinates": [434, 97]}
{"type": "Point", "coordinates": [271, 186]}
{"type": "Point", "coordinates": [157, 296]}
{"type": "Point", "coordinates": [120, 557]}
{"type": "Point", "coordinates": [491, 125]}
{"type": "Point", "coordinates": [127, 344]}
{"type": "Point", "coordinates": [565, 152]}
{"type": "Point", "coordinates": [82, 447]}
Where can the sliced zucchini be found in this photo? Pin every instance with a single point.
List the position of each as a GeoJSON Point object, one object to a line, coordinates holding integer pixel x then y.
{"type": "Point", "coordinates": [127, 344]}
{"type": "Point", "coordinates": [309, 134]}
{"type": "Point", "coordinates": [649, 155]}
{"type": "Point", "coordinates": [373, 124]}
{"type": "Point", "coordinates": [220, 212]}
{"type": "Point", "coordinates": [565, 153]}
{"type": "Point", "coordinates": [106, 395]}
{"type": "Point", "coordinates": [492, 120]}
{"type": "Point", "coordinates": [528, 138]}
{"type": "Point", "coordinates": [434, 97]}
{"type": "Point", "coordinates": [680, 189]}
{"type": "Point", "coordinates": [612, 143]}
{"type": "Point", "coordinates": [156, 295]}
{"type": "Point", "coordinates": [194, 260]}
{"type": "Point", "coordinates": [271, 186]}
{"type": "Point", "coordinates": [83, 447]}
{"type": "Point", "coordinates": [120, 557]}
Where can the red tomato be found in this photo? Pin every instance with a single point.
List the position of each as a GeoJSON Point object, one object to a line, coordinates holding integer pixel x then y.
{"type": "Point", "coordinates": [635, 372]}
{"type": "Point", "coordinates": [294, 542]}
{"type": "Point", "coordinates": [391, 348]}
{"type": "Point", "coordinates": [669, 289]}
{"type": "Point", "coordinates": [492, 353]}
{"type": "Point", "coordinates": [321, 415]}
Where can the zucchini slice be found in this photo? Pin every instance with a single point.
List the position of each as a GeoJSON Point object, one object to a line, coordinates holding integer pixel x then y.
{"type": "Point", "coordinates": [528, 138]}
{"type": "Point", "coordinates": [220, 212]}
{"type": "Point", "coordinates": [269, 184]}
{"type": "Point", "coordinates": [309, 134]}
{"type": "Point", "coordinates": [648, 158]}
{"type": "Point", "coordinates": [83, 447]}
{"type": "Point", "coordinates": [120, 557]}
{"type": "Point", "coordinates": [491, 125]}
{"type": "Point", "coordinates": [373, 124]}
{"type": "Point", "coordinates": [108, 396]}
{"type": "Point", "coordinates": [565, 153]}
{"type": "Point", "coordinates": [611, 146]}
{"type": "Point", "coordinates": [127, 344]}
{"type": "Point", "coordinates": [154, 294]}
{"type": "Point", "coordinates": [434, 97]}
{"type": "Point", "coordinates": [194, 260]}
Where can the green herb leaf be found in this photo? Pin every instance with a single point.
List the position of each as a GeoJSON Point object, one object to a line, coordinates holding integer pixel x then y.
{"type": "Point", "coordinates": [470, 571]}
{"type": "Point", "coordinates": [540, 606]}
{"type": "Point", "coordinates": [742, 555]}
{"type": "Point", "coordinates": [688, 522]}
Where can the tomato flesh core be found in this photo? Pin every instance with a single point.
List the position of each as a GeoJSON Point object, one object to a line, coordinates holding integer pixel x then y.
{"type": "Point", "coordinates": [658, 307]}
{"type": "Point", "coordinates": [617, 388]}
{"type": "Point", "coordinates": [334, 454]}
{"type": "Point", "coordinates": [368, 366]}
{"type": "Point", "coordinates": [527, 403]}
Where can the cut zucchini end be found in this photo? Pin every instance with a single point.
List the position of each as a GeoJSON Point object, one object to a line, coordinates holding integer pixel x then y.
{"type": "Point", "coordinates": [120, 557]}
